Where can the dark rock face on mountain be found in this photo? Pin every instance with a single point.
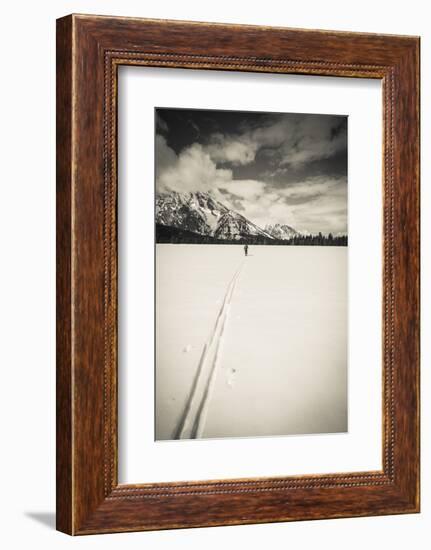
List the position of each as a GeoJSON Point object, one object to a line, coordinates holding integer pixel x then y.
{"type": "Point", "coordinates": [232, 226]}
{"type": "Point", "coordinates": [201, 213]}
{"type": "Point", "coordinates": [281, 231]}
{"type": "Point", "coordinates": [197, 212]}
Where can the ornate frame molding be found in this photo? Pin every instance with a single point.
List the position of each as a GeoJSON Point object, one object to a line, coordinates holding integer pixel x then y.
{"type": "Point", "coordinates": [90, 49]}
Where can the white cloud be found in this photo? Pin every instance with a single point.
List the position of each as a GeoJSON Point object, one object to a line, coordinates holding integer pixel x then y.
{"type": "Point", "coordinates": [192, 170]}
{"type": "Point", "coordinates": [314, 186]}
{"type": "Point", "coordinates": [247, 189]}
{"type": "Point", "coordinates": [268, 208]}
{"type": "Point", "coordinates": [314, 204]}
{"type": "Point", "coordinates": [326, 212]}
{"type": "Point", "coordinates": [297, 140]}
{"type": "Point", "coordinates": [238, 151]}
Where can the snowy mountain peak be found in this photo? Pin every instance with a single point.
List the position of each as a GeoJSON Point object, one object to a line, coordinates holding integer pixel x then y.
{"type": "Point", "coordinates": [197, 212]}
{"type": "Point", "coordinates": [203, 214]}
{"type": "Point", "coordinates": [281, 231]}
{"type": "Point", "coordinates": [233, 226]}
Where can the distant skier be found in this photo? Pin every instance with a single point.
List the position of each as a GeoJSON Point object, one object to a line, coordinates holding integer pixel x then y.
{"type": "Point", "coordinates": [246, 249]}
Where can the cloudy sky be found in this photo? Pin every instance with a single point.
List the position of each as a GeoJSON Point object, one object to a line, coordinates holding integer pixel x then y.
{"type": "Point", "coordinates": [270, 167]}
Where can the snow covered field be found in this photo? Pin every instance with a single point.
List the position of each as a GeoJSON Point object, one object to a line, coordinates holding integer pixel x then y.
{"type": "Point", "coordinates": [252, 346]}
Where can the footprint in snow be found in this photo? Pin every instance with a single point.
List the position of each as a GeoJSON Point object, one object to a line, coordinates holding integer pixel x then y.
{"type": "Point", "coordinates": [231, 378]}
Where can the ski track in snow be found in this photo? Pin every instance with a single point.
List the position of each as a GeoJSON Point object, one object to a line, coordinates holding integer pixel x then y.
{"type": "Point", "coordinates": [193, 419]}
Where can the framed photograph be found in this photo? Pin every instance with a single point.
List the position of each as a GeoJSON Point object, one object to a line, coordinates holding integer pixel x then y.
{"type": "Point", "coordinates": [237, 274]}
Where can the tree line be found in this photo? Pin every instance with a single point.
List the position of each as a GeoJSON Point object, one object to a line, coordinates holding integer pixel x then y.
{"type": "Point", "coordinates": [318, 240]}
{"type": "Point", "coordinates": [174, 235]}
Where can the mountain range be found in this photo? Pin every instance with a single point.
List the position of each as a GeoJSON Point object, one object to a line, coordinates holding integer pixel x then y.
{"type": "Point", "coordinates": [281, 231]}
{"type": "Point", "coordinates": [201, 214]}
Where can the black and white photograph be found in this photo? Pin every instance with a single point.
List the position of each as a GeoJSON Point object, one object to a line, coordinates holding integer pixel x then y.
{"type": "Point", "coordinates": [214, 235]}
{"type": "Point", "coordinates": [251, 273]}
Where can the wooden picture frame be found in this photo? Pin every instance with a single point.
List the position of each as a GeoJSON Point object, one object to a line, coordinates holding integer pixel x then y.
{"type": "Point", "coordinates": [89, 51]}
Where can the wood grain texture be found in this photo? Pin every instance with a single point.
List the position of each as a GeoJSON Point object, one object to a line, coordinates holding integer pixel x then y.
{"type": "Point", "coordinates": [90, 49]}
{"type": "Point", "coordinates": [64, 497]}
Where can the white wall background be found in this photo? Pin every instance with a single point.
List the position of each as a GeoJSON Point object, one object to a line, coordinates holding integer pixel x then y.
{"type": "Point", "coordinates": [27, 279]}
